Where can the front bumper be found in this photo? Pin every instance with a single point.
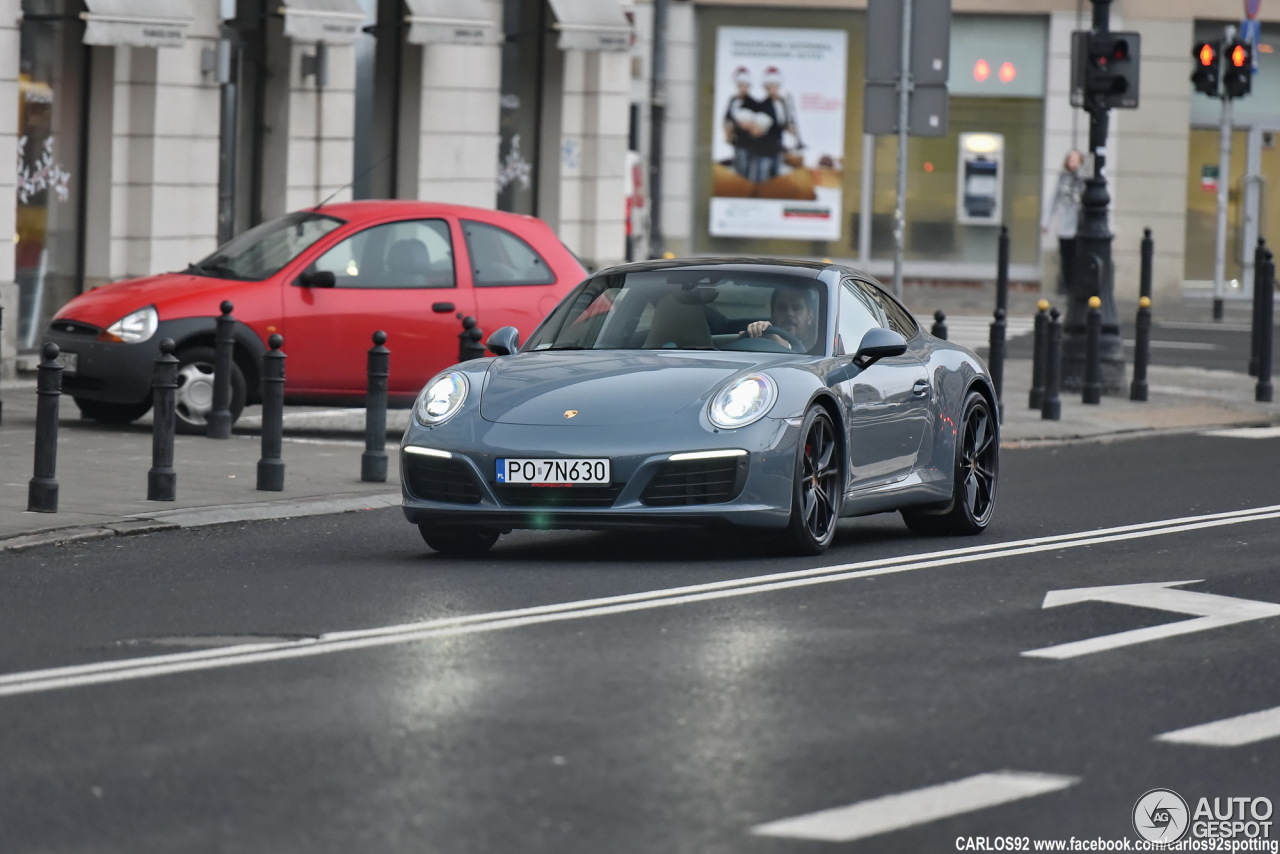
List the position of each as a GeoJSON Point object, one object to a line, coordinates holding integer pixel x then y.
{"type": "Point", "coordinates": [648, 488]}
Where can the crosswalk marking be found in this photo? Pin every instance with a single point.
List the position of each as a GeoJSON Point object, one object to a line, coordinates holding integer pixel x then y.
{"type": "Point", "coordinates": [974, 331]}
{"type": "Point", "coordinates": [1229, 732]}
{"type": "Point", "coordinates": [1245, 433]}
{"type": "Point", "coordinates": [907, 809]}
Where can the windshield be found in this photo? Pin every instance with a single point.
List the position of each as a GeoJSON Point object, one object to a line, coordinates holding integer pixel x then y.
{"type": "Point", "coordinates": [689, 309]}
{"type": "Point", "coordinates": [264, 249]}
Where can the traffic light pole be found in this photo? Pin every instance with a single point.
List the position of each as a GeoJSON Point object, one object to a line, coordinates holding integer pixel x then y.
{"type": "Point", "coordinates": [1224, 184]}
{"type": "Point", "coordinates": [1093, 273]}
{"type": "Point", "coordinates": [1220, 238]}
{"type": "Point", "coordinates": [904, 122]}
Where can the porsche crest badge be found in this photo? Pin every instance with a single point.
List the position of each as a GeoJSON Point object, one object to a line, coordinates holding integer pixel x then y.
{"type": "Point", "coordinates": [570, 413]}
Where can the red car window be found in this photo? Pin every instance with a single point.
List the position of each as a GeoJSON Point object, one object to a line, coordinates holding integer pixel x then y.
{"type": "Point", "coordinates": [499, 257]}
{"type": "Point", "coordinates": [408, 254]}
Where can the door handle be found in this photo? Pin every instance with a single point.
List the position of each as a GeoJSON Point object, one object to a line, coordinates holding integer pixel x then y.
{"type": "Point", "coordinates": [442, 307]}
{"type": "Point", "coordinates": [921, 388]}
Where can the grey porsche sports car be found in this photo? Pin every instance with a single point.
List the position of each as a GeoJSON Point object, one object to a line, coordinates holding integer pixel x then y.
{"type": "Point", "coordinates": [747, 392]}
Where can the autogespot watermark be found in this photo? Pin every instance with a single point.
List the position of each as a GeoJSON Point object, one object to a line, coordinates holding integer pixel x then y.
{"type": "Point", "coordinates": [1164, 818]}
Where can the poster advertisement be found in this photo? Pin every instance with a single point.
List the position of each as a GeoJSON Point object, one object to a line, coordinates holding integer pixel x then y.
{"type": "Point", "coordinates": [777, 140]}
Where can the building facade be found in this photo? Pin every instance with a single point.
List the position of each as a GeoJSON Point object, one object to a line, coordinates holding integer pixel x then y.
{"type": "Point", "coordinates": [144, 132]}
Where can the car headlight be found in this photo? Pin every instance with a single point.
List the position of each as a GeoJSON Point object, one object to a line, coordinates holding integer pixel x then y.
{"type": "Point", "coordinates": [441, 399]}
{"type": "Point", "coordinates": [743, 401]}
{"type": "Point", "coordinates": [132, 328]}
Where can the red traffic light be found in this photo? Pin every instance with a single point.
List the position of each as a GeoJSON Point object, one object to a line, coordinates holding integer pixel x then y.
{"type": "Point", "coordinates": [1239, 56]}
{"type": "Point", "coordinates": [1207, 54]}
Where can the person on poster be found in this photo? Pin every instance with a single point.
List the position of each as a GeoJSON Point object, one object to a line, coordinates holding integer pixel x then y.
{"type": "Point", "coordinates": [780, 113]}
{"type": "Point", "coordinates": [1064, 209]}
{"type": "Point", "coordinates": [739, 121]}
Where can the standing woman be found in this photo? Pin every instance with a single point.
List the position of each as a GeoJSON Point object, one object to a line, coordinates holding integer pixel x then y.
{"type": "Point", "coordinates": [1064, 208]}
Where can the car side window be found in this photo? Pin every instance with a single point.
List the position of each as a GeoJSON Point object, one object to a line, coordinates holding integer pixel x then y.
{"type": "Point", "coordinates": [499, 257]}
{"type": "Point", "coordinates": [409, 254]}
{"type": "Point", "coordinates": [898, 318]}
{"type": "Point", "coordinates": [857, 315]}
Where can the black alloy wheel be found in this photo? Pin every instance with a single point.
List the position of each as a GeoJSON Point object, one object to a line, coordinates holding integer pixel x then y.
{"type": "Point", "coordinates": [817, 486]}
{"type": "Point", "coordinates": [977, 467]}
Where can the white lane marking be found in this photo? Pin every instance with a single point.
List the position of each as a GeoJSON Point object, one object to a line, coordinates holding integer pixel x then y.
{"type": "Point", "coordinates": [1214, 611]}
{"type": "Point", "coordinates": [1229, 732]}
{"type": "Point", "coordinates": [1176, 345]}
{"type": "Point", "coordinates": [195, 660]}
{"type": "Point", "coordinates": [1192, 324]}
{"type": "Point", "coordinates": [1245, 433]}
{"type": "Point", "coordinates": [907, 809]}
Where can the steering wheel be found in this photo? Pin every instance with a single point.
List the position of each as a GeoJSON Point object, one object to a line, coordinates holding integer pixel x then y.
{"type": "Point", "coordinates": [796, 344]}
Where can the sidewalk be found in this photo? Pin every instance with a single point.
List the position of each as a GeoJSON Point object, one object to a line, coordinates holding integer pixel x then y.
{"type": "Point", "coordinates": [102, 470]}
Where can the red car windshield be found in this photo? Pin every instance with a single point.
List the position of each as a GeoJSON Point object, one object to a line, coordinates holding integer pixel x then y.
{"type": "Point", "coordinates": [264, 249]}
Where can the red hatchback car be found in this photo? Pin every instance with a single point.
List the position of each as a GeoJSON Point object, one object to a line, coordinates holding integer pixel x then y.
{"type": "Point", "coordinates": [326, 279]}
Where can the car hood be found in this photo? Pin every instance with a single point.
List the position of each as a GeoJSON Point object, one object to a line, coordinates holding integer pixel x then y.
{"type": "Point", "coordinates": [604, 388]}
{"type": "Point", "coordinates": [106, 304]}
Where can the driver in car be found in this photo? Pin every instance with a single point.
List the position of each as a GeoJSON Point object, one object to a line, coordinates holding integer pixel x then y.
{"type": "Point", "coordinates": [790, 310]}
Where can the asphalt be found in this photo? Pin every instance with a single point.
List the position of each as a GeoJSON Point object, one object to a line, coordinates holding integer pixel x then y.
{"type": "Point", "coordinates": [102, 471]}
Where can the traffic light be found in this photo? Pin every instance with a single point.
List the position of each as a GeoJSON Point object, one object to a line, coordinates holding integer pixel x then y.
{"type": "Point", "coordinates": [1205, 75]}
{"type": "Point", "coordinates": [1111, 68]}
{"type": "Point", "coordinates": [1238, 79]}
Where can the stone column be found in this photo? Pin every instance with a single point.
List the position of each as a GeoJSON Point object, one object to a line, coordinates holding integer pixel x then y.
{"type": "Point", "coordinates": [9, 50]}
{"type": "Point", "coordinates": [459, 114]}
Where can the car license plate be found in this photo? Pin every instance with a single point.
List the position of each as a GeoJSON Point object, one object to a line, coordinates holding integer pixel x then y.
{"type": "Point", "coordinates": [69, 363]}
{"type": "Point", "coordinates": [560, 472]}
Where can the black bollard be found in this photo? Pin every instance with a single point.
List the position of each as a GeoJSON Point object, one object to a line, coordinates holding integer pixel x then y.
{"type": "Point", "coordinates": [1262, 392]}
{"type": "Point", "coordinates": [373, 462]}
{"type": "Point", "coordinates": [1141, 350]}
{"type": "Point", "coordinates": [218, 421]}
{"type": "Point", "coordinates": [1002, 271]}
{"type": "Point", "coordinates": [271, 466]}
{"type": "Point", "coordinates": [995, 357]}
{"type": "Point", "coordinates": [42, 491]}
{"type": "Point", "coordinates": [469, 346]}
{"type": "Point", "coordinates": [939, 329]}
{"type": "Point", "coordinates": [1052, 409]}
{"type": "Point", "coordinates": [1092, 391]}
{"type": "Point", "coordinates": [1259, 292]}
{"type": "Point", "coordinates": [1148, 251]}
{"type": "Point", "coordinates": [162, 481]}
{"type": "Point", "coordinates": [1039, 347]}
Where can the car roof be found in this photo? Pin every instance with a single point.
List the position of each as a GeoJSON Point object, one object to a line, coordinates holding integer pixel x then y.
{"type": "Point", "coordinates": [371, 208]}
{"type": "Point", "coordinates": [780, 266]}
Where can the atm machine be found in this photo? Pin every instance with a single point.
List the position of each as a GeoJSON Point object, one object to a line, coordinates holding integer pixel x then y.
{"type": "Point", "coordinates": [980, 179]}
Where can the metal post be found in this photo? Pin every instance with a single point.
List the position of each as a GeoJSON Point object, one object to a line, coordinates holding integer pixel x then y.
{"type": "Point", "coordinates": [1092, 392]}
{"type": "Point", "coordinates": [939, 329]}
{"type": "Point", "coordinates": [1141, 350]}
{"type": "Point", "coordinates": [905, 86]}
{"type": "Point", "coordinates": [271, 466]}
{"type": "Point", "coordinates": [1148, 253]}
{"type": "Point", "coordinates": [162, 482]}
{"type": "Point", "coordinates": [1002, 270]}
{"type": "Point", "coordinates": [373, 462]}
{"type": "Point", "coordinates": [1262, 392]}
{"type": "Point", "coordinates": [469, 346]}
{"type": "Point", "coordinates": [657, 126]}
{"type": "Point", "coordinates": [1094, 273]}
{"type": "Point", "coordinates": [42, 491]}
{"type": "Point", "coordinates": [995, 356]}
{"type": "Point", "coordinates": [1039, 352]}
{"type": "Point", "coordinates": [1224, 178]}
{"type": "Point", "coordinates": [228, 56]}
{"type": "Point", "coordinates": [1052, 409]}
{"type": "Point", "coordinates": [1259, 291]}
{"type": "Point", "coordinates": [218, 421]}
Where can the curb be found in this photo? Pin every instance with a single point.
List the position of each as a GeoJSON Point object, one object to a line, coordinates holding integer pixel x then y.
{"type": "Point", "coordinates": [196, 517]}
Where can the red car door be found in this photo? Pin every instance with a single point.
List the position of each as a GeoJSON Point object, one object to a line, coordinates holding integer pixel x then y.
{"type": "Point", "coordinates": [399, 277]}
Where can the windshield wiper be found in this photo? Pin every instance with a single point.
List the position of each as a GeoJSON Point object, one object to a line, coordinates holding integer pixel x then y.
{"type": "Point", "coordinates": [218, 270]}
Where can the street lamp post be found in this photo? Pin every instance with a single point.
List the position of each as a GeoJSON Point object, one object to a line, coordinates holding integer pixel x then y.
{"type": "Point", "coordinates": [1094, 274]}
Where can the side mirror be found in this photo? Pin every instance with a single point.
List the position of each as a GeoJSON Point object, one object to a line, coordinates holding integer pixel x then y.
{"type": "Point", "coordinates": [877, 344]}
{"type": "Point", "coordinates": [504, 341]}
{"type": "Point", "coordinates": [317, 279]}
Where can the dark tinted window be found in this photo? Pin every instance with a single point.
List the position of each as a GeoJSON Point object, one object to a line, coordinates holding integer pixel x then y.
{"type": "Point", "coordinates": [895, 316]}
{"type": "Point", "coordinates": [499, 257]}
